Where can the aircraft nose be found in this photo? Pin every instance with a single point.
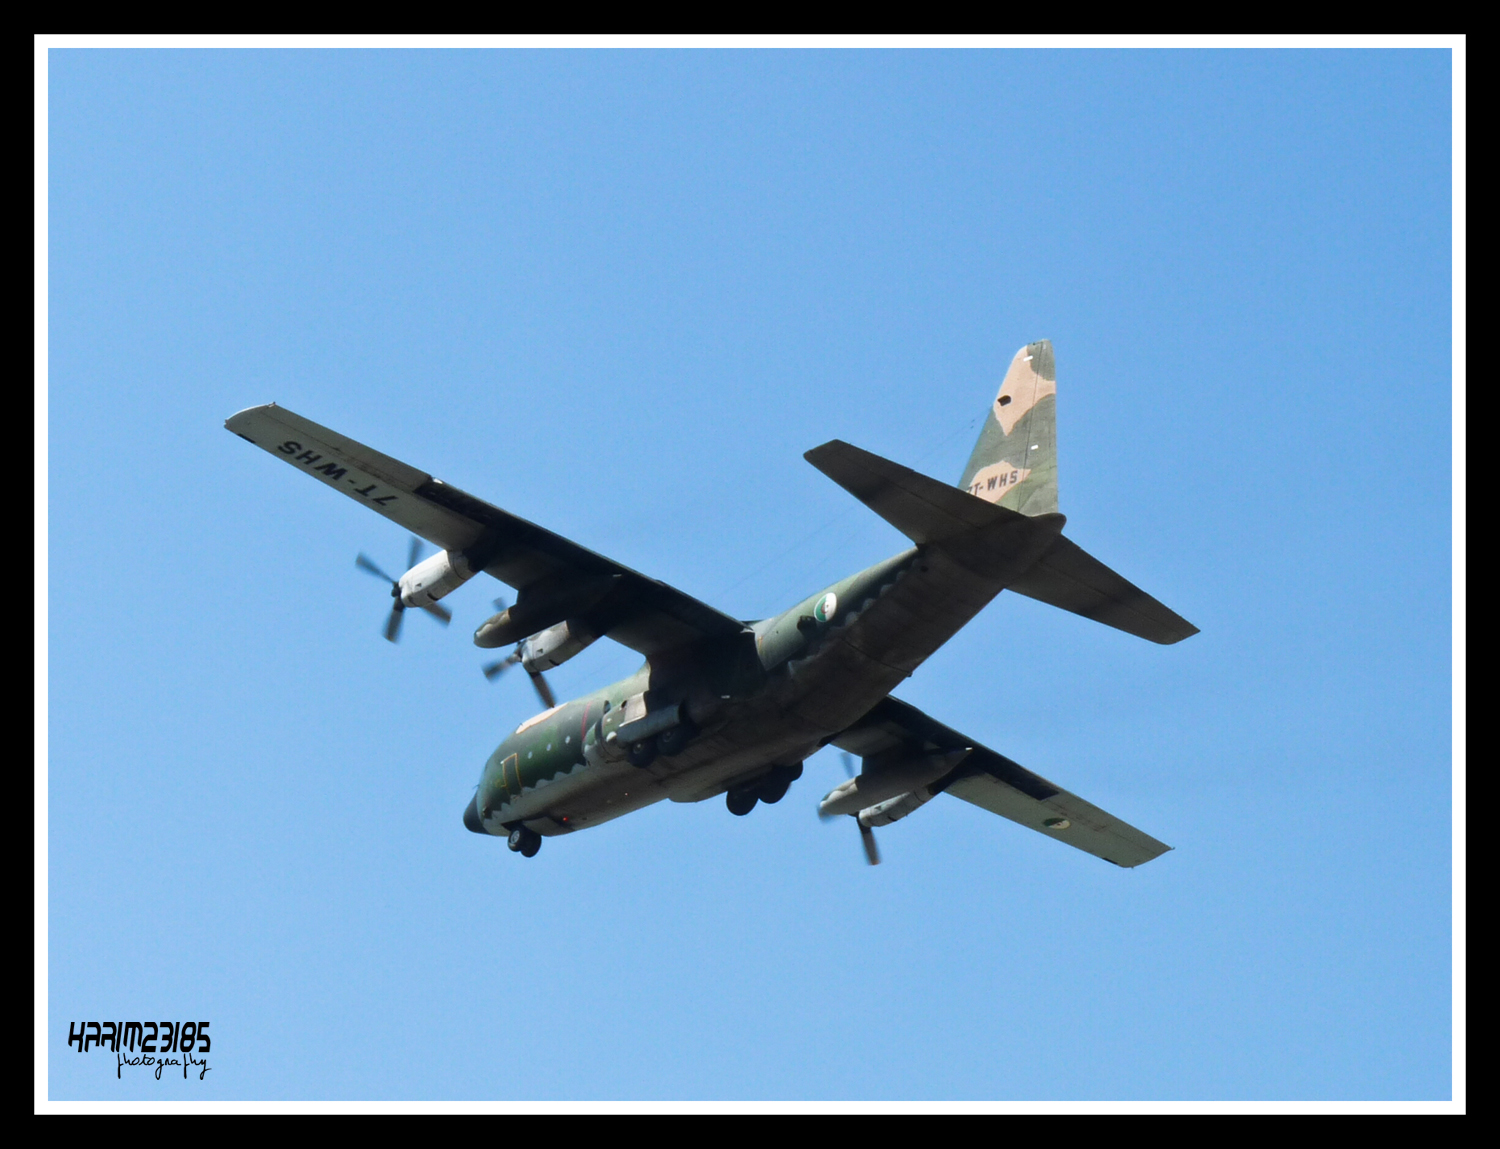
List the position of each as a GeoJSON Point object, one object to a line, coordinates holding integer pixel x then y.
{"type": "Point", "coordinates": [471, 816]}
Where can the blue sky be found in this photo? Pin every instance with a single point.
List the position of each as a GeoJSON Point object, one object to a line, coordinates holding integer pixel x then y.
{"type": "Point", "coordinates": [619, 293]}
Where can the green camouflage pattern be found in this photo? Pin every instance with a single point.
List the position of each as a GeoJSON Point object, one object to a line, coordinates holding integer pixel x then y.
{"type": "Point", "coordinates": [1014, 462]}
{"type": "Point", "coordinates": [722, 706]}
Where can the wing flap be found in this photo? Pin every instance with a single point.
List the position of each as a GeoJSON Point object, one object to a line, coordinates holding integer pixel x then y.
{"type": "Point", "coordinates": [993, 782]}
{"type": "Point", "coordinates": [1063, 816]}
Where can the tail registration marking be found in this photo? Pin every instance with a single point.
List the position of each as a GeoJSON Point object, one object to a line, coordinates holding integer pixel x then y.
{"type": "Point", "coordinates": [994, 482]}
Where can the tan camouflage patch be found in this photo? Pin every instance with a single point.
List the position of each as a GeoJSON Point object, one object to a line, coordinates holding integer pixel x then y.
{"type": "Point", "coordinates": [1022, 390]}
{"type": "Point", "coordinates": [994, 482]}
{"type": "Point", "coordinates": [535, 718]}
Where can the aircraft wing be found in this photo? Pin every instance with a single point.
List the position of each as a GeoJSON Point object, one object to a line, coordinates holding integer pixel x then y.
{"type": "Point", "coordinates": [646, 615]}
{"type": "Point", "coordinates": [995, 783]}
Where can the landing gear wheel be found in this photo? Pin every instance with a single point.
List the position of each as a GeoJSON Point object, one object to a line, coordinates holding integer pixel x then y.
{"type": "Point", "coordinates": [641, 754]}
{"type": "Point", "coordinates": [524, 842]}
{"type": "Point", "coordinates": [773, 789]}
{"type": "Point", "coordinates": [774, 786]}
{"type": "Point", "coordinates": [740, 802]}
{"type": "Point", "coordinates": [675, 740]}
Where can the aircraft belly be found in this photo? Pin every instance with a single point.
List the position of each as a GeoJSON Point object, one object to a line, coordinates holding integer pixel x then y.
{"type": "Point", "coordinates": [742, 749]}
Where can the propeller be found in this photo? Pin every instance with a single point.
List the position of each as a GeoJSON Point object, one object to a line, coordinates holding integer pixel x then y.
{"type": "Point", "coordinates": [494, 670]}
{"type": "Point", "coordinates": [866, 835]}
{"type": "Point", "coordinates": [398, 608]}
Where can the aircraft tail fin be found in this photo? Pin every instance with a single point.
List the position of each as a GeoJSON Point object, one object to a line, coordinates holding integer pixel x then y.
{"type": "Point", "coordinates": [1014, 463]}
{"type": "Point", "coordinates": [1022, 547]}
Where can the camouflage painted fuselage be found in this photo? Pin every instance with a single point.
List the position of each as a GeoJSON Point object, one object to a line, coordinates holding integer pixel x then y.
{"type": "Point", "coordinates": [770, 701]}
{"type": "Point", "coordinates": [789, 684]}
{"type": "Point", "coordinates": [726, 706]}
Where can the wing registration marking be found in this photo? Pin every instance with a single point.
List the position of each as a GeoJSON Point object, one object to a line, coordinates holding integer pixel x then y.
{"type": "Point", "coordinates": [332, 470]}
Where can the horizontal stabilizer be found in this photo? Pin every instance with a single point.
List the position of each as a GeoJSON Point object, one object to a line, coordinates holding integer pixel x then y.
{"type": "Point", "coordinates": [1067, 576]}
{"type": "Point", "coordinates": [921, 508]}
{"type": "Point", "coordinates": [993, 541]}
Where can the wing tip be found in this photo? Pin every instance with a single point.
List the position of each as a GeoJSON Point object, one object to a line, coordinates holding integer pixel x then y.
{"type": "Point", "coordinates": [1187, 630]}
{"type": "Point", "coordinates": [241, 416]}
{"type": "Point", "coordinates": [822, 450]}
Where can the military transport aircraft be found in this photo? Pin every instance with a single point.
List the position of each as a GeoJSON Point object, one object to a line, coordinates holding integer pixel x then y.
{"type": "Point", "coordinates": [723, 706]}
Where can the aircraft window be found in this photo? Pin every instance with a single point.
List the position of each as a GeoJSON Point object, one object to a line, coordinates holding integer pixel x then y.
{"type": "Point", "coordinates": [1005, 400]}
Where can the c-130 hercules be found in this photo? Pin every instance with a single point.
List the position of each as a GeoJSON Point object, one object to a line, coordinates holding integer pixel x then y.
{"type": "Point", "coordinates": [728, 707]}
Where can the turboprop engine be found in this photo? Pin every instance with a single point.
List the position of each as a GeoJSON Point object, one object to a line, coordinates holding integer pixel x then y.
{"type": "Point", "coordinates": [552, 647]}
{"type": "Point", "coordinates": [890, 787]}
{"type": "Point", "coordinates": [422, 584]}
{"type": "Point", "coordinates": [893, 809]}
{"type": "Point", "coordinates": [542, 651]}
{"type": "Point", "coordinates": [433, 578]}
{"type": "Point", "coordinates": [541, 607]}
{"type": "Point", "coordinates": [887, 776]}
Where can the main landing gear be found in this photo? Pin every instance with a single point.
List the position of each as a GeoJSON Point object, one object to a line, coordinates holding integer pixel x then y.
{"type": "Point", "coordinates": [769, 789]}
{"type": "Point", "coordinates": [524, 842]}
{"type": "Point", "coordinates": [667, 744]}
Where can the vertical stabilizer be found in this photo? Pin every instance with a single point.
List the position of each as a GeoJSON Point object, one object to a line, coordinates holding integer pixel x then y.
{"type": "Point", "coordinates": [1015, 461]}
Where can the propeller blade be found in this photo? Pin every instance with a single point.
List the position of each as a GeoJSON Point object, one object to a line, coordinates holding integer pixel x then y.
{"type": "Point", "coordinates": [867, 836]}
{"type": "Point", "coordinates": [499, 604]}
{"type": "Point", "coordinates": [365, 564]}
{"type": "Point", "coordinates": [393, 623]}
{"type": "Point", "coordinates": [543, 691]}
{"type": "Point", "coordinates": [494, 670]}
{"type": "Point", "coordinates": [848, 760]}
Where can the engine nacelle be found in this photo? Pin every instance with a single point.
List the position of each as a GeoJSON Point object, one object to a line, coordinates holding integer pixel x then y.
{"type": "Point", "coordinates": [884, 778]}
{"type": "Point", "coordinates": [433, 578]}
{"type": "Point", "coordinates": [894, 809]}
{"type": "Point", "coordinates": [543, 605]}
{"type": "Point", "coordinates": [555, 645]}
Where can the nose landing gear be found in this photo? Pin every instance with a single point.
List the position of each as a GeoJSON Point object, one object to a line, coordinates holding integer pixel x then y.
{"type": "Point", "coordinates": [524, 842]}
